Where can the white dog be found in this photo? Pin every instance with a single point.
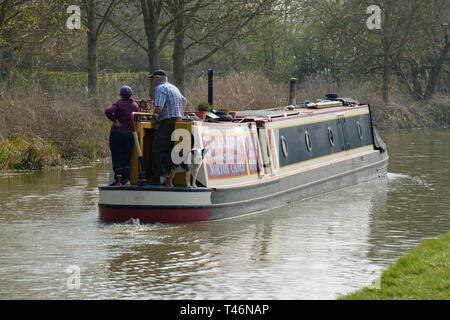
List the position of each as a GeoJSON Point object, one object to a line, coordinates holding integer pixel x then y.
{"type": "Point", "coordinates": [191, 164]}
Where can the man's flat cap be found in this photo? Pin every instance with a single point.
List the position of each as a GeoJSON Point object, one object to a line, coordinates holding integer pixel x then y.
{"type": "Point", "coordinates": [158, 73]}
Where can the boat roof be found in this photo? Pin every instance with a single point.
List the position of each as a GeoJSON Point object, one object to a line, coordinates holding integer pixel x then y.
{"type": "Point", "coordinates": [266, 113]}
{"type": "Point", "coordinates": [286, 112]}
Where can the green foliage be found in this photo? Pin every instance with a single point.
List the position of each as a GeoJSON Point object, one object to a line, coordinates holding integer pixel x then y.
{"type": "Point", "coordinates": [33, 153]}
{"type": "Point", "coordinates": [50, 80]}
{"type": "Point", "coordinates": [56, 82]}
{"type": "Point", "coordinates": [24, 153]}
{"type": "Point", "coordinates": [439, 108]}
{"type": "Point", "coordinates": [87, 148]}
{"type": "Point", "coordinates": [203, 106]}
{"type": "Point", "coordinates": [117, 79]}
{"type": "Point", "coordinates": [20, 80]}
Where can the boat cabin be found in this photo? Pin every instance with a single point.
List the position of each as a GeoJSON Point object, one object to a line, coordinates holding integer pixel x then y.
{"type": "Point", "coordinates": [255, 145]}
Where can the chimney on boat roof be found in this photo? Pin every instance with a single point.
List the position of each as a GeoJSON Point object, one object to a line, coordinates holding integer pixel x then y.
{"type": "Point", "coordinates": [292, 91]}
{"type": "Point", "coordinates": [210, 87]}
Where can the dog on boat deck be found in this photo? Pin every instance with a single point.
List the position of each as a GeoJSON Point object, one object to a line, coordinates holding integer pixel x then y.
{"type": "Point", "coordinates": [191, 164]}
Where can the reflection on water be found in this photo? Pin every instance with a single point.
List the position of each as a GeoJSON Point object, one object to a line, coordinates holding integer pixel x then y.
{"type": "Point", "coordinates": [312, 249]}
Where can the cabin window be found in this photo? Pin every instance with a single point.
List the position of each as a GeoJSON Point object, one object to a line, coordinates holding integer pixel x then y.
{"type": "Point", "coordinates": [358, 127]}
{"type": "Point", "coordinates": [308, 141]}
{"type": "Point", "coordinates": [284, 146]}
{"type": "Point", "coordinates": [331, 136]}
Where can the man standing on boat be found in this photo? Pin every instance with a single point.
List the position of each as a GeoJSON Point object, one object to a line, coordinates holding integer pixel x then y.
{"type": "Point", "coordinates": [169, 105]}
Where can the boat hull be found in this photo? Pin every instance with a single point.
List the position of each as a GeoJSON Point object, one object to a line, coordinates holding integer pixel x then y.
{"type": "Point", "coordinates": [151, 204]}
{"type": "Point", "coordinates": [152, 214]}
{"type": "Point", "coordinates": [181, 205]}
{"type": "Point", "coordinates": [301, 185]}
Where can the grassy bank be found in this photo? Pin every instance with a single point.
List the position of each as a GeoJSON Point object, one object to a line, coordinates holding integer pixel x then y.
{"type": "Point", "coordinates": [47, 119]}
{"type": "Point", "coordinates": [423, 274]}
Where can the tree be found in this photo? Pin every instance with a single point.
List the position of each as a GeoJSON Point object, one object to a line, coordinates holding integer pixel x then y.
{"type": "Point", "coordinates": [278, 42]}
{"type": "Point", "coordinates": [367, 51]}
{"type": "Point", "coordinates": [201, 27]}
{"type": "Point", "coordinates": [27, 31]}
{"type": "Point", "coordinates": [424, 59]}
{"type": "Point", "coordinates": [95, 24]}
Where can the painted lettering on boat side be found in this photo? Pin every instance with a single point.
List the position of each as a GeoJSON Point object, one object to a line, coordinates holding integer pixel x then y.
{"type": "Point", "coordinates": [218, 170]}
{"type": "Point", "coordinates": [226, 170]}
{"type": "Point", "coordinates": [226, 158]}
{"type": "Point", "coordinates": [233, 152]}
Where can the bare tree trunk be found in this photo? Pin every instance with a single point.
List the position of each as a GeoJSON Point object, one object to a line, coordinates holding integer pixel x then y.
{"type": "Point", "coordinates": [178, 50]}
{"type": "Point", "coordinates": [92, 69]}
{"type": "Point", "coordinates": [385, 88]}
{"type": "Point", "coordinates": [151, 11]}
{"type": "Point", "coordinates": [92, 58]}
{"type": "Point", "coordinates": [385, 75]}
{"type": "Point", "coordinates": [436, 70]}
{"type": "Point", "coordinates": [153, 51]}
{"type": "Point", "coordinates": [416, 92]}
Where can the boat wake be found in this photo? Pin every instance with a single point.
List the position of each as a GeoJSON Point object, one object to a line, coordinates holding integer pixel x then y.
{"type": "Point", "coordinates": [414, 180]}
{"type": "Point", "coordinates": [133, 221]}
{"type": "Point", "coordinates": [396, 176]}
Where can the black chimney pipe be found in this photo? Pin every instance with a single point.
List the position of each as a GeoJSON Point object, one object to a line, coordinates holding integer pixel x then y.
{"type": "Point", "coordinates": [292, 91]}
{"type": "Point", "coordinates": [210, 87]}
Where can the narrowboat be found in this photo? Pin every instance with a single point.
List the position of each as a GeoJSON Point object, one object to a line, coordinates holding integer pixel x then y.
{"type": "Point", "coordinates": [256, 160]}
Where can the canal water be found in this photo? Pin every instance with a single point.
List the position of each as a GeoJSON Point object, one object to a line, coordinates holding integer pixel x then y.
{"type": "Point", "coordinates": [55, 247]}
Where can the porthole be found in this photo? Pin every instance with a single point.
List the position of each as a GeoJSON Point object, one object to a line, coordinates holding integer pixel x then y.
{"type": "Point", "coordinates": [308, 141]}
{"type": "Point", "coordinates": [360, 133]}
{"type": "Point", "coordinates": [284, 146]}
{"type": "Point", "coordinates": [330, 136]}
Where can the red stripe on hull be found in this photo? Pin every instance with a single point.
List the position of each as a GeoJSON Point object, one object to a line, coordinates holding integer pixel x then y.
{"type": "Point", "coordinates": [110, 214]}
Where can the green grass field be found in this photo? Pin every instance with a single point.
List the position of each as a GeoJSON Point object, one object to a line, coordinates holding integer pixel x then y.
{"type": "Point", "coordinates": [423, 274]}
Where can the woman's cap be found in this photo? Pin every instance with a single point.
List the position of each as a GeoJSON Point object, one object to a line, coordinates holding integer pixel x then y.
{"type": "Point", "coordinates": [126, 92]}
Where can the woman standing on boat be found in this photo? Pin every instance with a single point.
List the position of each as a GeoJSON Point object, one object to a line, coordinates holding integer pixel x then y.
{"type": "Point", "coordinates": [121, 140]}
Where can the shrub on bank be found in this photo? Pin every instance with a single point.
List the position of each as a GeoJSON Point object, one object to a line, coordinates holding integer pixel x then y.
{"type": "Point", "coordinates": [439, 109]}
{"type": "Point", "coordinates": [62, 119]}
{"type": "Point", "coordinates": [23, 153]}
